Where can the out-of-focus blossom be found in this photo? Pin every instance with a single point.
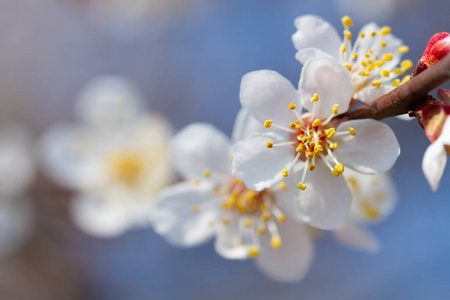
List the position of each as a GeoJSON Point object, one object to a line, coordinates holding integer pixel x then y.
{"type": "Point", "coordinates": [374, 198]}
{"type": "Point", "coordinates": [437, 48]}
{"type": "Point", "coordinates": [130, 18]}
{"type": "Point", "coordinates": [115, 158]}
{"type": "Point", "coordinates": [247, 223]}
{"type": "Point", "coordinates": [16, 174]}
{"type": "Point", "coordinates": [305, 146]}
{"type": "Point", "coordinates": [374, 60]}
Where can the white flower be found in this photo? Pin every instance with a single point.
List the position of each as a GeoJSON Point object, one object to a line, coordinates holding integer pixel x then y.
{"type": "Point", "coordinates": [211, 202]}
{"type": "Point", "coordinates": [115, 159]}
{"type": "Point", "coordinates": [16, 174]}
{"type": "Point", "coordinates": [374, 198]}
{"type": "Point", "coordinates": [435, 157]}
{"type": "Point", "coordinates": [374, 60]}
{"type": "Point", "coordinates": [306, 141]}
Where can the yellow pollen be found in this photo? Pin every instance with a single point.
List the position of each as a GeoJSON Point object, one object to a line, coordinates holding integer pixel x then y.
{"type": "Point", "coordinates": [334, 145]}
{"type": "Point", "coordinates": [225, 221]}
{"type": "Point", "coordinates": [346, 21]}
{"type": "Point", "coordinates": [373, 33]}
{"type": "Point", "coordinates": [338, 169]}
{"type": "Point", "coordinates": [403, 49]}
{"type": "Point", "coordinates": [265, 216]}
{"type": "Point", "coordinates": [348, 34]}
{"type": "Point", "coordinates": [335, 109]}
{"type": "Point", "coordinates": [315, 123]}
{"type": "Point", "coordinates": [206, 172]}
{"type": "Point", "coordinates": [291, 106]}
{"type": "Point", "coordinates": [343, 48]}
{"type": "Point", "coordinates": [383, 44]}
{"type": "Point", "coordinates": [269, 145]}
{"type": "Point", "coordinates": [362, 35]}
{"type": "Point", "coordinates": [355, 56]}
{"type": "Point", "coordinates": [283, 185]}
{"type": "Point", "coordinates": [385, 30]}
{"type": "Point", "coordinates": [261, 230]}
{"type": "Point", "coordinates": [297, 121]}
{"type": "Point", "coordinates": [253, 251]}
{"type": "Point", "coordinates": [292, 125]}
{"type": "Point", "coordinates": [275, 242]}
{"type": "Point", "coordinates": [352, 131]}
{"type": "Point", "coordinates": [406, 79]}
{"type": "Point", "coordinates": [388, 56]}
{"type": "Point", "coordinates": [284, 172]}
{"type": "Point", "coordinates": [281, 218]}
{"type": "Point", "coordinates": [197, 181]}
{"type": "Point", "coordinates": [397, 71]}
{"type": "Point", "coordinates": [310, 155]}
{"type": "Point", "coordinates": [406, 65]}
{"type": "Point", "coordinates": [315, 98]}
{"type": "Point", "coordinates": [319, 135]}
{"type": "Point", "coordinates": [311, 167]}
{"type": "Point", "coordinates": [311, 145]}
{"type": "Point", "coordinates": [248, 223]}
{"type": "Point", "coordinates": [347, 66]}
{"type": "Point", "coordinates": [371, 52]}
{"type": "Point", "coordinates": [317, 148]}
{"type": "Point", "coordinates": [396, 82]}
{"type": "Point", "coordinates": [301, 186]}
{"type": "Point", "coordinates": [268, 123]}
{"type": "Point", "coordinates": [385, 73]}
{"type": "Point", "coordinates": [376, 83]}
{"type": "Point", "coordinates": [330, 132]}
{"type": "Point", "coordinates": [194, 208]}
{"type": "Point", "coordinates": [304, 139]}
{"type": "Point", "coordinates": [299, 148]}
{"type": "Point", "coordinates": [299, 127]}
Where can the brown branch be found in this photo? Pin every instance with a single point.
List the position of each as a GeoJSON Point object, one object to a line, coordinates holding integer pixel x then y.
{"type": "Point", "coordinates": [404, 98]}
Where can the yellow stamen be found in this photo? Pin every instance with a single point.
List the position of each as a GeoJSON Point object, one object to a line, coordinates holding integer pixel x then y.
{"type": "Point", "coordinates": [301, 186]}
{"type": "Point", "coordinates": [311, 167]}
{"type": "Point", "coordinates": [343, 49]}
{"type": "Point", "coordinates": [346, 21]}
{"type": "Point", "coordinates": [317, 149]}
{"type": "Point", "coordinates": [315, 98]}
{"type": "Point", "coordinates": [403, 49]}
{"type": "Point", "coordinates": [194, 208]}
{"type": "Point", "coordinates": [334, 145]}
{"type": "Point", "coordinates": [265, 216]}
{"type": "Point", "coordinates": [406, 79]}
{"type": "Point", "coordinates": [362, 35]}
{"type": "Point", "coordinates": [376, 83]}
{"type": "Point", "coordinates": [299, 149]}
{"type": "Point", "coordinates": [253, 251]}
{"type": "Point", "coordinates": [406, 65]}
{"type": "Point", "coordinates": [292, 125]}
{"type": "Point", "coordinates": [388, 56]}
{"type": "Point", "coordinates": [284, 172]}
{"type": "Point", "coordinates": [373, 33]}
{"type": "Point", "coordinates": [385, 73]}
{"type": "Point", "coordinates": [248, 223]}
{"type": "Point", "coordinates": [291, 106]}
{"type": "Point", "coordinates": [299, 127]}
{"type": "Point", "coordinates": [352, 131]}
{"type": "Point", "coordinates": [261, 230]}
{"type": "Point", "coordinates": [197, 181]}
{"type": "Point", "coordinates": [396, 82]}
{"type": "Point", "coordinates": [330, 132]}
{"type": "Point", "coordinates": [281, 218]}
{"type": "Point", "coordinates": [383, 44]}
{"type": "Point", "coordinates": [379, 63]}
{"type": "Point", "coordinates": [355, 56]}
{"type": "Point", "coordinates": [225, 221]}
{"type": "Point", "coordinates": [347, 66]}
{"type": "Point", "coordinates": [335, 109]}
{"type": "Point", "coordinates": [348, 34]}
{"type": "Point", "coordinates": [385, 30]}
{"type": "Point", "coordinates": [269, 145]}
{"type": "Point", "coordinates": [268, 123]}
{"type": "Point", "coordinates": [315, 123]}
{"type": "Point", "coordinates": [310, 155]}
{"type": "Point", "coordinates": [275, 242]}
{"type": "Point", "coordinates": [206, 172]}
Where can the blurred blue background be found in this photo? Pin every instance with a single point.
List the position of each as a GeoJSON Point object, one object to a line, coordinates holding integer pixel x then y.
{"type": "Point", "coordinates": [189, 69]}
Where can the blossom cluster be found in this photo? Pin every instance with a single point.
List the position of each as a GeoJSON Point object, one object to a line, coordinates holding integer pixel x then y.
{"type": "Point", "coordinates": [296, 164]}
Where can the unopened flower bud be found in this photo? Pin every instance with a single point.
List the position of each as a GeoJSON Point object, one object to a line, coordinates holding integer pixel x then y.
{"type": "Point", "coordinates": [438, 47]}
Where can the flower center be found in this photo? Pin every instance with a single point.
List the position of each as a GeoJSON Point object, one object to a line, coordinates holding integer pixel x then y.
{"type": "Point", "coordinates": [126, 166]}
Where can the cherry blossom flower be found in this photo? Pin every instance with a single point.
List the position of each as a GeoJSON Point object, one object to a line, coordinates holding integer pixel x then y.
{"type": "Point", "coordinates": [245, 222]}
{"type": "Point", "coordinates": [115, 158]}
{"type": "Point", "coordinates": [374, 60]}
{"type": "Point", "coordinates": [374, 198]}
{"type": "Point", "coordinates": [306, 146]}
{"type": "Point", "coordinates": [16, 175]}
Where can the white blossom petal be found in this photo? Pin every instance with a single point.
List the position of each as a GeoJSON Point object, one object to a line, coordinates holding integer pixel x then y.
{"type": "Point", "coordinates": [371, 93]}
{"type": "Point", "coordinates": [228, 243]}
{"type": "Point", "coordinates": [199, 147]}
{"type": "Point", "coordinates": [374, 148]}
{"type": "Point", "coordinates": [100, 216]}
{"type": "Point", "coordinates": [331, 81]}
{"type": "Point", "coordinates": [175, 219]}
{"type": "Point", "coordinates": [266, 95]}
{"type": "Point", "coordinates": [306, 54]}
{"type": "Point", "coordinates": [445, 133]}
{"type": "Point", "coordinates": [291, 262]}
{"type": "Point", "coordinates": [355, 236]}
{"type": "Point", "coordinates": [258, 166]}
{"type": "Point", "coordinates": [108, 100]}
{"type": "Point", "coordinates": [326, 200]}
{"type": "Point", "coordinates": [433, 163]}
{"type": "Point", "coordinates": [315, 32]}
{"type": "Point", "coordinates": [245, 125]}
